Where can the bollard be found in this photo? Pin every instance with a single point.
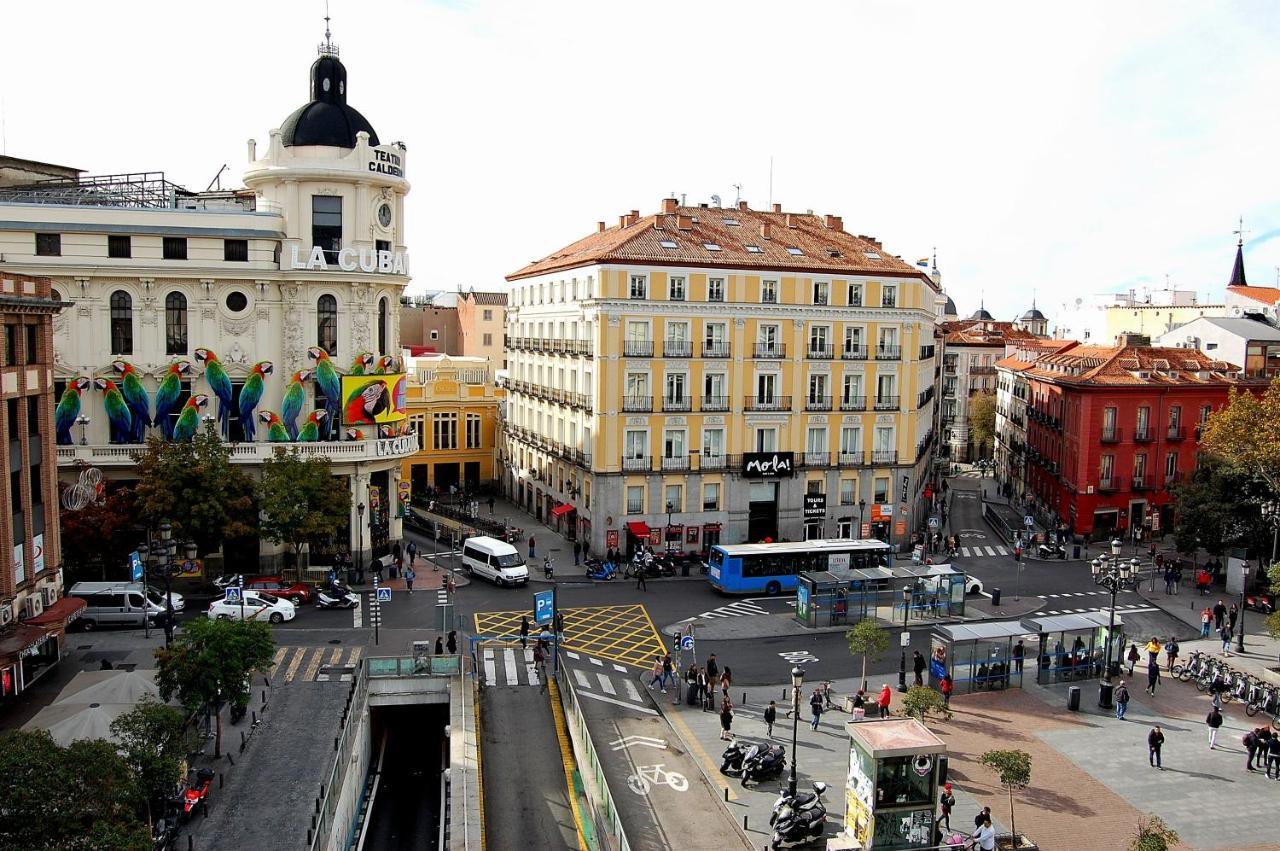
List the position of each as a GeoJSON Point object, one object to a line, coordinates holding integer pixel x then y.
{"type": "Point", "coordinates": [220, 777]}
{"type": "Point", "coordinates": [264, 698]}
{"type": "Point", "coordinates": [204, 807]}
{"type": "Point", "coordinates": [255, 718]}
{"type": "Point", "coordinates": [784, 694]}
{"type": "Point", "coordinates": [191, 842]}
{"type": "Point", "coordinates": [230, 760]}
{"type": "Point", "coordinates": [308, 837]}
{"type": "Point", "coordinates": [317, 806]}
{"type": "Point", "coordinates": [266, 681]}
{"type": "Point", "coordinates": [726, 793]}
{"type": "Point", "coordinates": [744, 698]}
{"type": "Point", "coordinates": [322, 791]}
{"type": "Point", "coordinates": [744, 822]}
{"type": "Point", "coordinates": [242, 741]}
{"type": "Point", "coordinates": [335, 743]}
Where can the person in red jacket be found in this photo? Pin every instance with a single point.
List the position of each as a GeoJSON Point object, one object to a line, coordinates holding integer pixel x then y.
{"type": "Point", "coordinates": [946, 687]}
{"type": "Point", "coordinates": [886, 695]}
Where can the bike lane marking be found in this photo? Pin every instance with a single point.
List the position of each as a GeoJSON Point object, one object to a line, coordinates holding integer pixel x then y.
{"type": "Point", "coordinates": [694, 748]}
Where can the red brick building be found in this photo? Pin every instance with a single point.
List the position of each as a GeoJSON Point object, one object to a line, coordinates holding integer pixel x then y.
{"type": "Point", "coordinates": [1111, 429]}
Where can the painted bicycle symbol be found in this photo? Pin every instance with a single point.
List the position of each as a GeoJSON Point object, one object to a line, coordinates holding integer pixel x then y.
{"type": "Point", "coordinates": [646, 775]}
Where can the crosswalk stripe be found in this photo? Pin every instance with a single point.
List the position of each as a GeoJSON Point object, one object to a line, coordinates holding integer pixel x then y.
{"type": "Point", "coordinates": [595, 661]}
{"type": "Point", "coordinates": [990, 551]}
{"type": "Point", "coordinates": [294, 663]}
{"type": "Point", "coordinates": [531, 667]}
{"type": "Point", "coordinates": [280, 654]}
{"type": "Point", "coordinates": [606, 684]}
{"type": "Point", "coordinates": [581, 678]}
{"type": "Point", "coordinates": [1002, 551]}
{"type": "Point", "coordinates": [619, 669]}
{"type": "Point", "coordinates": [509, 663]}
{"type": "Point", "coordinates": [313, 667]}
{"type": "Point", "coordinates": [353, 658]}
{"type": "Point", "coordinates": [630, 687]}
{"type": "Point", "coordinates": [571, 654]}
{"type": "Point", "coordinates": [490, 669]}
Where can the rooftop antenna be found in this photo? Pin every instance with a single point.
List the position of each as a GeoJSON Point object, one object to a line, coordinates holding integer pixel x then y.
{"type": "Point", "coordinates": [328, 48]}
{"type": "Point", "coordinates": [217, 178]}
{"type": "Point", "coordinates": [737, 194]}
{"type": "Point", "coordinates": [715, 200]}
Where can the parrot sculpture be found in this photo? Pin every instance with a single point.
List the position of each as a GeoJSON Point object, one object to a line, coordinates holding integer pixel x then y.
{"type": "Point", "coordinates": [275, 429]}
{"type": "Point", "coordinates": [117, 411]}
{"type": "Point", "coordinates": [189, 420]}
{"type": "Point", "coordinates": [367, 403]}
{"type": "Point", "coordinates": [251, 395]}
{"type": "Point", "coordinates": [219, 383]}
{"type": "Point", "coordinates": [361, 364]}
{"type": "Point", "coordinates": [387, 364]}
{"type": "Point", "coordinates": [328, 382]}
{"type": "Point", "coordinates": [310, 431]}
{"type": "Point", "coordinates": [167, 396]}
{"type": "Point", "coordinates": [355, 434]}
{"type": "Point", "coordinates": [135, 396]}
{"type": "Point", "coordinates": [68, 410]}
{"type": "Point", "coordinates": [386, 430]}
{"type": "Point", "coordinates": [295, 396]}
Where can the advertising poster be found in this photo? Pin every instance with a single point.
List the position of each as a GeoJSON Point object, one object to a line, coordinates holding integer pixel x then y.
{"type": "Point", "coordinates": [857, 818]}
{"type": "Point", "coordinates": [373, 399]}
{"type": "Point", "coordinates": [611, 539]}
{"type": "Point", "coordinates": [802, 601]}
{"type": "Point", "coordinates": [190, 568]}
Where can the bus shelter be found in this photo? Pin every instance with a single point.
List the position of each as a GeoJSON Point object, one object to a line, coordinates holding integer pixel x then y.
{"type": "Point", "coordinates": [981, 656]}
{"type": "Point", "coordinates": [1073, 646]}
{"type": "Point", "coordinates": [831, 598]}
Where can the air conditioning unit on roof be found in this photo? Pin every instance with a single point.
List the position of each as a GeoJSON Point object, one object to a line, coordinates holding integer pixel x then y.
{"type": "Point", "coordinates": [33, 606]}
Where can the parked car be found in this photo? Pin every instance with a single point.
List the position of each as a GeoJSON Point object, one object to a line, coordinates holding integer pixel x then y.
{"type": "Point", "coordinates": [1265, 603]}
{"type": "Point", "coordinates": [258, 605]}
{"type": "Point", "coordinates": [157, 597]}
{"type": "Point", "coordinates": [295, 592]}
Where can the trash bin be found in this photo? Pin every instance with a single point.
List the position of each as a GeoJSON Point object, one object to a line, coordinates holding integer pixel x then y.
{"type": "Point", "coordinates": [1105, 691]}
{"type": "Point", "coordinates": [1075, 551]}
{"type": "Point", "coordinates": [684, 568]}
{"type": "Point", "coordinates": [1073, 698]}
{"type": "Point", "coordinates": [995, 596]}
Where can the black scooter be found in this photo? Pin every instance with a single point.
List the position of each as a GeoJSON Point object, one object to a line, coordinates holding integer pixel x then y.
{"type": "Point", "coordinates": [765, 764]}
{"type": "Point", "coordinates": [1051, 551]}
{"type": "Point", "coordinates": [799, 827]}
{"type": "Point", "coordinates": [731, 759]}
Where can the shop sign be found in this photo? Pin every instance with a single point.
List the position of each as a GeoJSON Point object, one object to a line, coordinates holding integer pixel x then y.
{"type": "Point", "coordinates": [691, 535]}
{"type": "Point", "coordinates": [36, 648]}
{"type": "Point", "coordinates": [397, 445]}
{"type": "Point", "coordinates": [350, 260]}
{"type": "Point", "coordinates": [611, 539]}
{"type": "Point", "coordinates": [19, 565]}
{"type": "Point", "coordinates": [655, 537]}
{"type": "Point", "coordinates": [767, 465]}
{"type": "Point", "coordinates": [802, 601]}
{"type": "Point", "coordinates": [881, 512]}
{"type": "Point", "coordinates": [815, 505]}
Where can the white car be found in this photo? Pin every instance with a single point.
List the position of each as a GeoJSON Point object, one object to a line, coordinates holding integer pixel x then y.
{"type": "Point", "coordinates": [972, 584]}
{"type": "Point", "coordinates": [257, 606]}
{"type": "Point", "coordinates": [157, 597]}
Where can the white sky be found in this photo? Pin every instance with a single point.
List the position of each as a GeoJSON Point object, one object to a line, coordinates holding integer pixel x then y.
{"type": "Point", "coordinates": [1070, 149]}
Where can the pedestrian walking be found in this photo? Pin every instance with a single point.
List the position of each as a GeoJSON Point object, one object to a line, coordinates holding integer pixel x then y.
{"type": "Point", "coordinates": [1202, 582]}
{"type": "Point", "coordinates": [524, 633]}
{"type": "Point", "coordinates": [1206, 618]}
{"type": "Point", "coordinates": [1153, 677]}
{"type": "Point", "coordinates": [770, 717]}
{"type": "Point", "coordinates": [657, 675]}
{"type": "Point", "coordinates": [1171, 652]}
{"type": "Point", "coordinates": [1251, 742]}
{"type": "Point", "coordinates": [577, 553]}
{"type": "Point", "coordinates": [726, 680]}
{"type": "Point", "coordinates": [1264, 740]}
{"type": "Point", "coordinates": [946, 687]}
{"type": "Point", "coordinates": [1018, 653]}
{"type": "Point", "coordinates": [1226, 635]}
{"type": "Point", "coordinates": [409, 576]}
{"type": "Point", "coordinates": [1232, 616]}
{"type": "Point", "coordinates": [540, 659]}
{"type": "Point", "coordinates": [726, 718]}
{"type": "Point", "coordinates": [1122, 700]}
{"type": "Point", "coordinates": [1177, 575]}
{"type": "Point", "coordinates": [491, 504]}
{"type": "Point", "coordinates": [1155, 741]}
{"type": "Point", "coordinates": [1219, 615]}
{"type": "Point", "coordinates": [1132, 656]}
{"type": "Point", "coordinates": [917, 665]}
{"type": "Point", "coordinates": [452, 643]}
{"type": "Point", "coordinates": [531, 548]}
{"type": "Point", "coordinates": [558, 623]}
{"type": "Point", "coordinates": [985, 815]}
{"type": "Point", "coordinates": [1168, 580]}
{"type": "Point", "coordinates": [1273, 757]}
{"type": "Point", "coordinates": [883, 701]}
{"type": "Point", "coordinates": [815, 709]}
{"type": "Point", "coordinates": [668, 673]}
{"type": "Point", "coordinates": [713, 678]}
{"type": "Point", "coordinates": [439, 645]}
{"type": "Point", "coordinates": [641, 585]}
{"type": "Point", "coordinates": [947, 801]}
{"type": "Point", "coordinates": [984, 837]}
{"type": "Point", "coordinates": [1214, 721]}
{"type": "Point", "coordinates": [1153, 649]}
{"type": "Point", "coordinates": [412, 550]}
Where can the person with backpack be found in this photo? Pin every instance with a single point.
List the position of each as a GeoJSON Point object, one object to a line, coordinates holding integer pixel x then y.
{"type": "Point", "coordinates": [1122, 700]}
{"type": "Point", "coordinates": [770, 717]}
{"type": "Point", "coordinates": [1171, 652]}
{"type": "Point", "coordinates": [1214, 721]}
{"type": "Point", "coordinates": [815, 707]}
{"type": "Point", "coordinates": [1132, 657]}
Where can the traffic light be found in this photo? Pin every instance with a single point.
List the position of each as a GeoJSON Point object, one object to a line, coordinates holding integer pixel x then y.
{"type": "Point", "coordinates": [675, 645]}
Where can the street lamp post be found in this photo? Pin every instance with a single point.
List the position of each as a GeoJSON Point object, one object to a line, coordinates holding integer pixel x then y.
{"type": "Point", "coordinates": [797, 682]}
{"type": "Point", "coordinates": [862, 508]}
{"type": "Point", "coordinates": [902, 663]}
{"type": "Point", "coordinates": [667, 533]}
{"type": "Point", "coordinates": [1244, 581]}
{"type": "Point", "coordinates": [360, 546]}
{"type": "Point", "coordinates": [1115, 575]}
{"type": "Point", "coordinates": [83, 421]}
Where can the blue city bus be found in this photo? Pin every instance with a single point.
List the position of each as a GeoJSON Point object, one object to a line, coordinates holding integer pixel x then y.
{"type": "Point", "coordinates": [772, 568]}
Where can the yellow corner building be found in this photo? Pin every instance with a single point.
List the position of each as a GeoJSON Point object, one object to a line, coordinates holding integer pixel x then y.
{"type": "Point", "coordinates": [453, 407]}
{"type": "Point", "coordinates": [708, 374]}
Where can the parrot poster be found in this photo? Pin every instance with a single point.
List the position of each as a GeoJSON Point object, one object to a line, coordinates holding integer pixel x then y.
{"type": "Point", "coordinates": [275, 429]}
{"type": "Point", "coordinates": [366, 403]}
{"type": "Point", "coordinates": [135, 396]}
{"type": "Point", "coordinates": [295, 396]}
{"type": "Point", "coordinates": [68, 410]}
{"type": "Point", "coordinates": [361, 364]}
{"type": "Point", "coordinates": [329, 383]}
{"type": "Point", "coordinates": [189, 420]}
{"type": "Point", "coordinates": [251, 395]}
{"type": "Point", "coordinates": [168, 395]}
{"type": "Point", "coordinates": [220, 384]}
{"type": "Point", "coordinates": [311, 429]}
{"type": "Point", "coordinates": [117, 411]}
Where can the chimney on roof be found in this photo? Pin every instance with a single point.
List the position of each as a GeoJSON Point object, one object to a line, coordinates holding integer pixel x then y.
{"type": "Point", "coordinates": [599, 227]}
{"type": "Point", "coordinates": [777, 208]}
{"type": "Point", "coordinates": [635, 216]}
{"type": "Point", "coordinates": [1130, 339]}
{"type": "Point", "coordinates": [792, 220]}
{"type": "Point", "coordinates": [669, 205]}
{"type": "Point", "coordinates": [684, 222]}
{"type": "Point", "coordinates": [742, 205]}
{"type": "Point", "coordinates": [834, 222]}
{"type": "Point", "coordinates": [765, 231]}
{"type": "Point", "coordinates": [624, 220]}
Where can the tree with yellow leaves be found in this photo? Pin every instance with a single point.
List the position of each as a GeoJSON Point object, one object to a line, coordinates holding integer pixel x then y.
{"type": "Point", "coordinates": [1246, 434]}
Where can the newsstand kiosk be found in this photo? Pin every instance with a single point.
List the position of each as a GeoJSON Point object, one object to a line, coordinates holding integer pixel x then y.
{"type": "Point", "coordinates": [891, 793]}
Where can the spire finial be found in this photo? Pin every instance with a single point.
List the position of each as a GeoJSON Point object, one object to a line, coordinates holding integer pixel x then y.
{"type": "Point", "coordinates": [1237, 270]}
{"type": "Point", "coordinates": [328, 48]}
{"type": "Point", "coordinates": [934, 270]}
{"type": "Point", "coordinates": [1240, 232]}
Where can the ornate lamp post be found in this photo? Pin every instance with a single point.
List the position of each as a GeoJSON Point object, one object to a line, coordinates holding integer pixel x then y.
{"type": "Point", "coordinates": [1244, 582]}
{"type": "Point", "coordinates": [1115, 575]}
{"type": "Point", "coordinates": [83, 421]}
{"type": "Point", "coordinates": [797, 682]}
{"type": "Point", "coordinates": [360, 550]}
{"type": "Point", "coordinates": [862, 508]}
{"type": "Point", "coordinates": [667, 533]}
{"type": "Point", "coordinates": [159, 558]}
{"type": "Point", "coordinates": [902, 663]}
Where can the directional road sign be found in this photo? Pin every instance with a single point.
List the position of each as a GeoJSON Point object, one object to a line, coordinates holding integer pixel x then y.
{"type": "Point", "coordinates": [543, 606]}
{"type": "Point", "coordinates": [686, 643]}
{"type": "Point", "coordinates": [232, 593]}
{"type": "Point", "coordinates": [384, 594]}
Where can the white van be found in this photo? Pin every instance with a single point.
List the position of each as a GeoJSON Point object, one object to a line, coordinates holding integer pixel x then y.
{"type": "Point", "coordinates": [113, 604]}
{"type": "Point", "coordinates": [494, 559]}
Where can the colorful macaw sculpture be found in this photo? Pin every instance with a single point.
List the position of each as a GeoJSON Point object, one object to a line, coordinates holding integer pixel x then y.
{"type": "Point", "coordinates": [387, 364]}
{"type": "Point", "coordinates": [366, 403]}
{"type": "Point", "coordinates": [168, 395]}
{"type": "Point", "coordinates": [295, 396]}
{"type": "Point", "coordinates": [68, 410]}
{"type": "Point", "coordinates": [135, 396]}
{"type": "Point", "coordinates": [251, 395]}
{"type": "Point", "coordinates": [328, 382]}
{"type": "Point", "coordinates": [275, 429]}
{"type": "Point", "coordinates": [361, 364]}
{"type": "Point", "coordinates": [189, 420]}
{"type": "Point", "coordinates": [117, 411]}
{"type": "Point", "coordinates": [220, 384]}
{"type": "Point", "coordinates": [311, 429]}
{"type": "Point", "coordinates": [355, 434]}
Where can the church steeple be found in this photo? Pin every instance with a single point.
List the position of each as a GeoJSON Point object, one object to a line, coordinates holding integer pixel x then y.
{"type": "Point", "coordinates": [1237, 271]}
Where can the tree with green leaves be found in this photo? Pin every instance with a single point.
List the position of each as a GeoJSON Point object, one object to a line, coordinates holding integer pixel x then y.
{"type": "Point", "coordinates": [982, 419]}
{"type": "Point", "coordinates": [1219, 506]}
{"type": "Point", "coordinates": [210, 664]}
{"type": "Point", "coordinates": [97, 538]}
{"type": "Point", "coordinates": [78, 798]}
{"type": "Point", "coordinates": [1246, 434]}
{"type": "Point", "coordinates": [196, 488]}
{"type": "Point", "coordinates": [921, 701]}
{"type": "Point", "coordinates": [1273, 619]}
{"type": "Point", "coordinates": [868, 640]}
{"type": "Point", "coordinates": [1153, 835]}
{"type": "Point", "coordinates": [1014, 770]}
{"type": "Point", "coordinates": [152, 739]}
{"type": "Point", "coordinates": [300, 500]}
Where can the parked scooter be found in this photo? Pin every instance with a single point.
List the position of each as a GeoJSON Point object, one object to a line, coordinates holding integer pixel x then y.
{"type": "Point", "coordinates": [733, 756]}
{"type": "Point", "coordinates": [765, 764]}
{"type": "Point", "coordinates": [335, 595]}
{"type": "Point", "coordinates": [229, 580]}
{"type": "Point", "coordinates": [600, 570]}
{"type": "Point", "coordinates": [801, 802]}
{"type": "Point", "coordinates": [799, 827]}
{"type": "Point", "coordinates": [1051, 551]}
{"type": "Point", "coordinates": [164, 833]}
{"type": "Point", "coordinates": [195, 790]}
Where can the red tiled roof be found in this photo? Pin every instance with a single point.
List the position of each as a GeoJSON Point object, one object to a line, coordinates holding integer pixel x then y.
{"type": "Point", "coordinates": [1134, 366]}
{"type": "Point", "coordinates": [638, 240]}
{"type": "Point", "coordinates": [1266, 295]}
{"type": "Point", "coordinates": [487, 298]}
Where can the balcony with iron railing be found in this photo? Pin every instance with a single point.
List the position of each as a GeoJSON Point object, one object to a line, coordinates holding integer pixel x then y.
{"type": "Point", "coordinates": [675, 464]}
{"type": "Point", "coordinates": [853, 351]}
{"type": "Point", "coordinates": [887, 403]}
{"type": "Point", "coordinates": [853, 403]}
{"type": "Point", "coordinates": [1173, 478]}
{"type": "Point", "coordinates": [767, 403]}
{"type": "Point", "coordinates": [819, 351]}
{"type": "Point", "coordinates": [637, 404]}
{"type": "Point", "coordinates": [982, 370]}
{"type": "Point", "coordinates": [816, 459]}
{"type": "Point", "coordinates": [1110, 485]}
{"type": "Point", "coordinates": [637, 348]}
{"type": "Point", "coordinates": [715, 349]}
{"type": "Point", "coordinates": [677, 349]}
{"type": "Point", "coordinates": [1110, 435]}
{"type": "Point", "coordinates": [1174, 433]}
{"type": "Point", "coordinates": [1140, 483]}
{"type": "Point", "coordinates": [715, 403]}
{"type": "Point", "coordinates": [884, 456]}
{"type": "Point", "coordinates": [884, 352]}
{"type": "Point", "coordinates": [635, 464]}
{"type": "Point", "coordinates": [1143, 434]}
{"type": "Point", "coordinates": [339, 452]}
{"type": "Point", "coordinates": [817, 403]}
{"type": "Point", "coordinates": [711, 462]}
{"type": "Point", "coordinates": [677, 404]}
{"type": "Point", "coordinates": [768, 351]}
{"type": "Point", "coordinates": [850, 459]}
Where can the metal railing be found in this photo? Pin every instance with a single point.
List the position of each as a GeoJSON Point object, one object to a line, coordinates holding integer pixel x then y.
{"type": "Point", "coordinates": [853, 403]}
{"type": "Point", "coordinates": [677, 349]}
{"type": "Point", "coordinates": [888, 352]}
{"type": "Point", "coordinates": [637, 404]}
{"type": "Point", "coordinates": [414, 666]}
{"type": "Point", "coordinates": [1110, 435]}
{"type": "Point", "coordinates": [819, 351]}
{"type": "Point", "coordinates": [850, 459]}
{"type": "Point", "coordinates": [675, 464]}
{"type": "Point", "coordinates": [817, 403]}
{"type": "Point", "coordinates": [715, 350]}
{"type": "Point", "coordinates": [853, 352]}
{"type": "Point", "coordinates": [637, 348]}
{"type": "Point", "coordinates": [715, 403]}
{"type": "Point", "coordinates": [712, 462]}
{"type": "Point", "coordinates": [636, 465]}
{"type": "Point", "coordinates": [771, 350]}
{"type": "Point", "coordinates": [677, 403]}
{"type": "Point", "coordinates": [884, 456]}
{"type": "Point", "coordinates": [1175, 433]}
{"type": "Point", "coordinates": [595, 781]}
{"type": "Point", "coordinates": [770, 403]}
{"type": "Point", "coordinates": [887, 403]}
{"type": "Point", "coordinates": [343, 744]}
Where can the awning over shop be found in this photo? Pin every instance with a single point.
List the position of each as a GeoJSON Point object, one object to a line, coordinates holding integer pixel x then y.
{"type": "Point", "coordinates": [60, 614]}
{"type": "Point", "coordinates": [711, 527]}
{"type": "Point", "coordinates": [562, 509]}
{"type": "Point", "coordinates": [21, 639]}
{"type": "Point", "coordinates": [638, 528]}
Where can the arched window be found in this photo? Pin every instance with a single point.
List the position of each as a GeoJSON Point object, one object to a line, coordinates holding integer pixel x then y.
{"type": "Point", "coordinates": [175, 324]}
{"type": "Point", "coordinates": [382, 325]}
{"type": "Point", "coordinates": [121, 323]}
{"type": "Point", "coordinates": [327, 324]}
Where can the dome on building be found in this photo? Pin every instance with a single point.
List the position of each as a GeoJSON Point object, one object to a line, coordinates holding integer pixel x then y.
{"type": "Point", "coordinates": [1034, 315]}
{"type": "Point", "coordinates": [950, 309]}
{"type": "Point", "coordinates": [327, 119]}
{"type": "Point", "coordinates": [982, 315]}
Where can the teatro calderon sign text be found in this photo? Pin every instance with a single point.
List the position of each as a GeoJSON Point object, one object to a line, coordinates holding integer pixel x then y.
{"type": "Point", "coordinates": [351, 260]}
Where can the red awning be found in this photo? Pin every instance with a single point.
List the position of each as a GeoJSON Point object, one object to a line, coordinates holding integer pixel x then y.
{"type": "Point", "coordinates": [562, 509]}
{"type": "Point", "coordinates": [711, 527]}
{"type": "Point", "coordinates": [60, 614]}
{"type": "Point", "coordinates": [638, 528]}
{"type": "Point", "coordinates": [13, 644]}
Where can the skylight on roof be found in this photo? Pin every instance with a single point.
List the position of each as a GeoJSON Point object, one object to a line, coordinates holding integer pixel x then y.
{"type": "Point", "coordinates": [710, 246]}
{"type": "Point", "coordinates": [733, 223]}
{"type": "Point", "coordinates": [754, 249]}
{"type": "Point", "coordinates": [667, 243]}
{"type": "Point", "coordinates": [796, 251]}
{"type": "Point", "coordinates": [871, 255]}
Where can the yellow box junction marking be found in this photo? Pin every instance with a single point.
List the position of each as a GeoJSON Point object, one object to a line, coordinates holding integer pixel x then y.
{"type": "Point", "coordinates": [619, 633]}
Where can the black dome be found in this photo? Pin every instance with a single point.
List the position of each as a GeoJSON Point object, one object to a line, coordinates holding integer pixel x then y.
{"type": "Point", "coordinates": [950, 309]}
{"type": "Point", "coordinates": [981, 314]}
{"type": "Point", "coordinates": [327, 119]}
{"type": "Point", "coordinates": [1033, 315]}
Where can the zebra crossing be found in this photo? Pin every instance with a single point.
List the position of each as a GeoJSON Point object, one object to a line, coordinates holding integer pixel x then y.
{"type": "Point", "coordinates": [611, 683]}
{"type": "Point", "coordinates": [979, 552]}
{"type": "Point", "coordinates": [1065, 599]}
{"type": "Point", "coordinates": [508, 665]}
{"type": "Point", "coordinates": [737, 609]}
{"type": "Point", "coordinates": [1066, 594]}
{"type": "Point", "coordinates": [315, 664]}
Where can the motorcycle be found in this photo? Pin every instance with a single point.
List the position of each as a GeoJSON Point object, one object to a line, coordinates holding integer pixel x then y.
{"type": "Point", "coordinates": [765, 764]}
{"type": "Point", "coordinates": [335, 596]}
{"type": "Point", "coordinates": [600, 570]}
{"type": "Point", "coordinates": [1051, 551]}
{"type": "Point", "coordinates": [228, 581]}
{"type": "Point", "coordinates": [801, 802]}
{"type": "Point", "coordinates": [799, 827]}
{"type": "Point", "coordinates": [733, 756]}
{"type": "Point", "coordinates": [195, 792]}
{"type": "Point", "coordinates": [164, 833]}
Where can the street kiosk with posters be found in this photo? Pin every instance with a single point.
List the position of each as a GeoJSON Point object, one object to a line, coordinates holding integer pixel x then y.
{"type": "Point", "coordinates": [892, 786]}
